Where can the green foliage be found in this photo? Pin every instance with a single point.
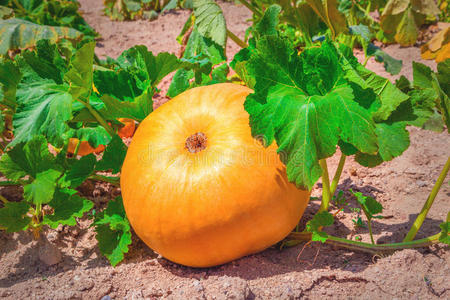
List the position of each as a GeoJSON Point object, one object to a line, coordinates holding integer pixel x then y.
{"type": "Point", "coordinates": [140, 9]}
{"type": "Point", "coordinates": [210, 21]}
{"type": "Point", "coordinates": [323, 92]}
{"type": "Point", "coordinates": [315, 225]}
{"type": "Point", "coordinates": [445, 229]}
{"type": "Point", "coordinates": [204, 60]}
{"type": "Point", "coordinates": [67, 206]}
{"type": "Point", "coordinates": [113, 231]}
{"type": "Point", "coordinates": [428, 105]}
{"type": "Point", "coordinates": [13, 216]}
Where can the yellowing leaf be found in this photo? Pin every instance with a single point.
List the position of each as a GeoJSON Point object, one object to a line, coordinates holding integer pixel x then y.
{"type": "Point", "coordinates": [439, 46]}
{"type": "Point", "coordinates": [406, 31]}
{"type": "Point", "coordinates": [328, 11]}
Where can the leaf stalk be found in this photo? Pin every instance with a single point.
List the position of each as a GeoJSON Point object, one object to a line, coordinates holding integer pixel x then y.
{"type": "Point", "coordinates": [426, 207]}
{"type": "Point", "coordinates": [338, 174]}
{"type": "Point", "coordinates": [113, 180]}
{"type": "Point", "coordinates": [326, 195]}
{"type": "Point", "coordinates": [236, 39]}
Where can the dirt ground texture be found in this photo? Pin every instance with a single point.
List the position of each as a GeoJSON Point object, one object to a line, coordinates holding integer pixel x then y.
{"type": "Point", "coordinates": [401, 185]}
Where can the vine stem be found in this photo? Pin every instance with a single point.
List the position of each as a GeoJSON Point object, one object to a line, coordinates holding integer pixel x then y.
{"type": "Point", "coordinates": [326, 195]}
{"type": "Point", "coordinates": [3, 199]}
{"type": "Point", "coordinates": [9, 183]}
{"type": "Point", "coordinates": [366, 60]}
{"type": "Point", "coordinates": [251, 8]}
{"type": "Point", "coordinates": [98, 117]}
{"type": "Point", "coordinates": [369, 224]}
{"type": "Point", "coordinates": [113, 180]}
{"type": "Point", "coordinates": [426, 207]}
{"type": "Point", "coordinates": [338, 174]}
{"type": "Point", "coordinates": [366, 247]}
{"type": "Point", "coordinates": [236, 39]}
{"type": "Point", "coordinates": [77, 148]}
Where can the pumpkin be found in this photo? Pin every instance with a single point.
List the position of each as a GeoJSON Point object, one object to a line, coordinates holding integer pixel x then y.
{"type": "Point", "coordinates": [199, 189]}
{"type": "Point", "coordinates": [128, 129]}
{"type": "Point", "coordinates": [84, 149]}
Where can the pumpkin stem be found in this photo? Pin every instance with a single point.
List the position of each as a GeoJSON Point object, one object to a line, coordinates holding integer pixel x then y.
{"type": "Point", "coordinates": [196, 142]}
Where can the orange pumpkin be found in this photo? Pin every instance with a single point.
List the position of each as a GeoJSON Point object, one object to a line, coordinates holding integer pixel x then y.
{"type": "Point", "coordinates": [199, 189]}
{"type": "Point", "coordinates": [84, 149]}
{"type": "Point", "coordinates": [128, 129]}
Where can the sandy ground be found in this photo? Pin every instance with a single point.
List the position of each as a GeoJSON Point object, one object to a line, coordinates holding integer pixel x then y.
{"type": "Point", "coordinates": [401, 186]}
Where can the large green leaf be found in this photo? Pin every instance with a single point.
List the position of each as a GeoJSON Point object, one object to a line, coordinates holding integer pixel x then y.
{"type": "Point", "coordinates": [28, 158]}
{"type": "Point", "coordinates": [113, 231]}
{"type": "Point", "coordinates": [41, 190]}
{"type": "Point", "coordinates": [199, 57]}
{"type": "Point", "coordinates": [67, 206]}
{"type": "Point", "coordinates": [9, 79]}
{"type": "Point", "coordinates": [43, 108]}
{"type": "Point", "coordinates": [13, 217]}
{"type": "Point", "coordinates": [79, 75]}
{"type": "Point", "coordinates": [21, 34]}
{"type": "Point", "coordinates": [304, 103]}
{"type": "Point", "coordinates": [210, 21]}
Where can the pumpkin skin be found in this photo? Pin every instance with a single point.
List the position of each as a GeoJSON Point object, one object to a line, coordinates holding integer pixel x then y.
{"type": "Point", "coordinates": [210, 207]}
{"type": "Point", "coordinates": [84, 149]}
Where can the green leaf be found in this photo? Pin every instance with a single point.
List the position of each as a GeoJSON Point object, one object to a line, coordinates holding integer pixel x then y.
{"type": "Point", "coordinates": [172, 4]}
{"type": "Point", "coordinates": [136, 110]}
{"type": "Point", "coordinates": [21, 34]}
{"type": "Point", "coordinates": [113, 231]}
{"type": "Point", "coordinates": [443, 76]}
{"type": "Point", "coordinates": [13, 216]}
{"type": "Point", "coordinates": [393, 140]}
{"type": "Point", "coordinates": [180, 82]}
{"type": "Point", "coordinates": [370, 206]}
{"type": "Point", "coordinates": [305, 104]}
{"type": "Point", "coordinates": [78, 171]}
{"type": "Point", "coordinates": [147, 66]}
{"type": "Point", "coordinates": [41, 190]}
{"type": "Point", "coordinates": [200, 55]}
{"type": "Point", "coordinates": [79, 75]}
{"type": "Point", "coordinates": [67, 207]}
{"type": "Point", "coordinates": [269, 21]}
{"type": "Point", "coordinates": [210, 21]}
{"type": "Point", "coordinates": [44, 108]}
{"type": "Point", "coordinates": [10, 77]}
{"type": "Point", "coordinates": [362, 31]}
{"type": "Point", "coordinates": [27, 159]}
{"type": "Point", "coordinates": [421, 75]}
{"type": "Point", "coordinates": [391, 65]}
{"type": "Point", "coordinates": [96, 135]}
{"type": "Point", "coordinates": [113, 156]}
{"type": "Point", "coordinates": [390, 97]}
{"type": "Point", "coordinates": [319, 220]}
{"type": "Point", "coordinates": [445, 237]}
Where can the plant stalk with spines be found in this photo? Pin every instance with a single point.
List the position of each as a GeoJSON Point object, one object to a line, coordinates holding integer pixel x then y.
{"type": "Point", "coordinates": [366, 247]}
{"type": "Point", "coordinates": [326, 192]}
{"type": "Point", "coordinates": [428, 203]}
{"type": "Point", "coordinates": [337, 175]}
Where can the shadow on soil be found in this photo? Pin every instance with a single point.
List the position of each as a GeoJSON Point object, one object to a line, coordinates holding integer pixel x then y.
{"type": "Point", "coordinates": [268, 263]}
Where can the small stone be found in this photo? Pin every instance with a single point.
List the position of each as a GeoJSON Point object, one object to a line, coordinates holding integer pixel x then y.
{"type": "Point", "coordinates": [421, 183]}
{"type": "Point", "coordinates": [107, 297]}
